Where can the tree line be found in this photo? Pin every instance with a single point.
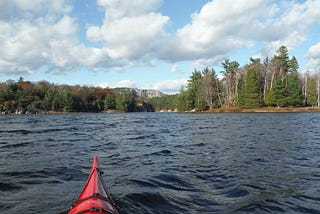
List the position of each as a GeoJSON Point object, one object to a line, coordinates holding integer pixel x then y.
{"type": "Point", "coordinates": [24, 96]}
{"type": "Point", "coordinates": [272, 82]}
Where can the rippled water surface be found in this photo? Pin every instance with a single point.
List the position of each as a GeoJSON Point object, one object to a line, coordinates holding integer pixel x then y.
{"type": "Point", "coordinates": [163, 162]}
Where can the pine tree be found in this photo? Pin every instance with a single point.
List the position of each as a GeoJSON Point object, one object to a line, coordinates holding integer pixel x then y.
{"type": "Point", "coordinates": [182, 100]}
{"type": "Point", "coordinates": [283, 60]}
{"type": "Point", "coordinates": [294, 90]}
{"type": "Point", "coordinates": [110, 102]}
{"type": "Point", "coordinates": [280, 92]}
{"type": "Point", "coordinates": [252, 86]}
{"type": "Point", "coordinates": [192, 96]}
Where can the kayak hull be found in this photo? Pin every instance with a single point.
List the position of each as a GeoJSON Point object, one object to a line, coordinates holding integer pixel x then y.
{"type": "Point", "coordinates": [94, 198]}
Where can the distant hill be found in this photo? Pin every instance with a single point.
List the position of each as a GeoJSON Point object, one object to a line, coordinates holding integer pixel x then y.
{"type": "Point", "coordinates": [146, 93]}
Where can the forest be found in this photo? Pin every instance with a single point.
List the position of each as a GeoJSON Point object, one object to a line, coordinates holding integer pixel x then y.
{"type": "Point", "coordinates": [26, 97]}
{"type": "Point", "coordinates": [272, 82]}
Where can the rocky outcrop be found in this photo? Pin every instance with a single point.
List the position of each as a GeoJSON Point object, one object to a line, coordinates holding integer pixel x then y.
{"type": "Point", "coordinates": [145, 93]}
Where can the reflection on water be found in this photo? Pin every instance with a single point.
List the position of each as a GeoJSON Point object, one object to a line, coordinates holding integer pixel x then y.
{"type": "Point", "coordinates": [163, 162]}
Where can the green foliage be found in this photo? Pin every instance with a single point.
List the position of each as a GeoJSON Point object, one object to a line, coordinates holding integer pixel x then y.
{"type": "Point", "coordinates": [125, 102]}
{"type": "Point", "coordinates": [280, 93]}
{"type": "Point", "coordinates": [312, 97]}
{"type": "Point", "coordinates": [47, 102]}
{"type": "Point", "coordinates": [275, 81]}
{"type": "Point", "coordinates": [251, 91]}
{"type": "Point", "coordinates": [294, 90]}
{"type": "Point", "coordinates": [43, 96]}
{"type": "Point", "coordinates": [1, 95]}
{"type": "Point", "coordinates": [167, 103]}
{"type": "Point", "coordinates": [283, 59]}
{"type": "Point", "coordinates": [62, 101]}
{"type": "Point", "coordinates": [293, 64]}
{"type": "Point", "coordinates": [182, 103]}
{"type": "Point", "coordinates": [110, 102]}
{"type": "Point", "coordinates": [192, 94]}
{"type": "Point", "coordinates": [271, 98]}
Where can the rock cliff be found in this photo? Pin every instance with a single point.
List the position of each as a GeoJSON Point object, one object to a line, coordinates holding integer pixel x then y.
{"type": "Point", "coordinates": [146, 93]}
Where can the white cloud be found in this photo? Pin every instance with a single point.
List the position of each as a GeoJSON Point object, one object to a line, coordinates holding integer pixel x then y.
{"type": "Point", "coordinates": [120, 8]}
{"type": "Point", "coordinates": [65, 27]}
{"type": "Point", "coordinates": [120, 84]}
{"type": "Point", "coordinates": [17, 9]}
{"type": "Point", "coordinates": [41, 33]}
{"type": "Point", "coordinates": [168, 86]}
{"type": "Point", "coordinates": [131, 33]}
{"type": "Point", "coordinates": [313, 56]}
{"type": "Point", "coordinates": [29, 44]}
{"type": "Point", "coordinates": [224, 26]}
{"type": "Point", "coordinates": [221, 27]}
{"type": "Point", "coordinates": [291, 25]}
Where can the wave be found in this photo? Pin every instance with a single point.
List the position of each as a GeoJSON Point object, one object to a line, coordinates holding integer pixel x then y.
{"type": "Point", "coordinates": [9, 186]}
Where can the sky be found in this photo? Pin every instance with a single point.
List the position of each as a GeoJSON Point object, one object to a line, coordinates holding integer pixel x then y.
{"type": "Point", "coordinates": [149, 44]}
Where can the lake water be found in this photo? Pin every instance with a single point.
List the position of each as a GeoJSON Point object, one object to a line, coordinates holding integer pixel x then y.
{"type": "Point", "coordinates": [163, 162]}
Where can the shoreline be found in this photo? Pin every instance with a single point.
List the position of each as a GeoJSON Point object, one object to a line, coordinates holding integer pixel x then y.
{"type": "Point", "coordinates": [264, 110]}
{"type": "Point", "coordinates": [218, 110]}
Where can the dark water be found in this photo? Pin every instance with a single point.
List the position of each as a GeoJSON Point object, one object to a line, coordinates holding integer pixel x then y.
{"type": "Point", "coordinates": [163, 162]}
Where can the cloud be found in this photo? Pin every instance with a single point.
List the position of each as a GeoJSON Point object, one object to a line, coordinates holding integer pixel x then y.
{"type": "Point", "coordinates": [120, 8]}
{"type": "Point", "coordinates": [131, 33]}
{"type": "Point", "coordinates": [221, 27]}
{"type": "Point", "coordinates": [313, 57]}
{"type": "Point", "coordinates": [21, 9]}
{"type": "Point", "coordinates": [29, 45]}
{"type": "Point", "coordinates": [46, 34]}
{"type": "Point", "coordinates": [291, 25]}
{"type": "Point", "coordinates": [120, 84]}
{"type": "Point", "coordinates": [168, 86]}
{"type": "Point", "coordinates": [45, 41]}
{"type": "Point", "coordinates": [224, 26]}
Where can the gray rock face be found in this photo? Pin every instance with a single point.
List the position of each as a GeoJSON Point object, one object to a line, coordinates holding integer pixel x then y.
{"type": "Point", "coordinates": [146, 93]}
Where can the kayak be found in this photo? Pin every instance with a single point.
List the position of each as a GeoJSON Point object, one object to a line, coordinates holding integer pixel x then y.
{"type": "Point", "coordinates": [94, 197]}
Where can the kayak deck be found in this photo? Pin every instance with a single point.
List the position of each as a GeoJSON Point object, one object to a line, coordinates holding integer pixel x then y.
{"type": "Point", "coordinates": [94, 198]}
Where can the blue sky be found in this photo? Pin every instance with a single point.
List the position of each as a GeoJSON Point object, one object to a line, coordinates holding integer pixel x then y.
{"type": "Point", "coordinates": [154, 44]}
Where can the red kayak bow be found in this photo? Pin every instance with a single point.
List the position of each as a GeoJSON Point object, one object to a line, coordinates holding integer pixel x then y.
{"type": "Point", "coordinates": [94, 198]}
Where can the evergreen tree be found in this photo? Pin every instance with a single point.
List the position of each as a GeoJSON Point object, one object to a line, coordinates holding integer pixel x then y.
{"type": "Point", "coordinates": [125, 102]}
{"type": "Point", "coordinates": [294, 90]}
{"type": "Point", "coordinates": [280, 93]}
{"type": "Point", "coordinates": [270, 99]}
{"type": "Point", "coordinates": [110, 102]}
{"type": "Point", "coordinates": [192, 96]}
{"type": "Point", "coordinates": [252, 92]}
{"type": "Point", "coordinates": [182, 103]}
{"type": "Point", "coordinates": [48, 100]}
{"type": "Point", "coordinates": [62, 101]}
{"type": "Point", "coordinates": [283, 60]}
{"type": "Point", "coordinates": [293, 65]}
